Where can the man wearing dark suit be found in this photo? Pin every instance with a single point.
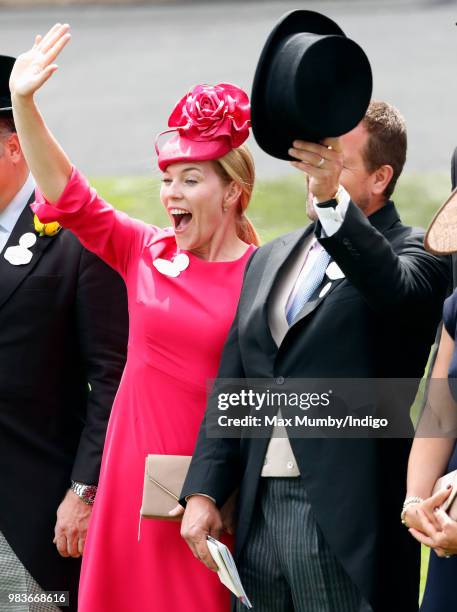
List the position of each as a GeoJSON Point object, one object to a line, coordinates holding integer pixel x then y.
{"type": "Point", "coordinates": [63, 336]}
{"type": "Point", "coordinates": [319, 519]}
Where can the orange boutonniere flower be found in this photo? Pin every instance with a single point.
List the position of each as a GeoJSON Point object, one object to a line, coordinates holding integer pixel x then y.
{"type": "Point", "coordinates": [46, 229]}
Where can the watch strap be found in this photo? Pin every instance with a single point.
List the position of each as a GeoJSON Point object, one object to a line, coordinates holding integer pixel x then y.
{"type": "Point", "coordinates": [84, 491]}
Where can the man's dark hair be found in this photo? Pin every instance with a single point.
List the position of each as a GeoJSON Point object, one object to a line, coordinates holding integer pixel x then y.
{"type": "Point", "coordinates": [387, 140]}
{"type": "Point", "coordinates": [7, 125]}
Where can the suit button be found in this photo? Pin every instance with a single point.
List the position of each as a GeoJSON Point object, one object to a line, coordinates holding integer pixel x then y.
{"type": "Point", "coordinates": [347, 242]}
{"type": "Point", "coordinates": [280, 380]}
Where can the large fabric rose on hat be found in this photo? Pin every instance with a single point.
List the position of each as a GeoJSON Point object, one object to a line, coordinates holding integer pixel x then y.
{"type": "Point", "coordinates": [211, 112]}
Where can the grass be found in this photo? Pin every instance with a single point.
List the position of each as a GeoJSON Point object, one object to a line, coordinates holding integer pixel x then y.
{"type": "Point", "coordinates": [425, 554]}
{"type": "Point", "coordinates": [277, 207]}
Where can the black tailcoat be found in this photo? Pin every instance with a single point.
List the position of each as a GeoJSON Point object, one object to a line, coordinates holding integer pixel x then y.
{"type": "Point", "coordinates": [378, 322]}
{"type": "Point", "coordinates": [63, 324]}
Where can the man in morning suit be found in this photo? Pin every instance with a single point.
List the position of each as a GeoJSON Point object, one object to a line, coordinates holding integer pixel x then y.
{"type": "Point", "coordinates": [63, 336]}
{"type": "Point", "coordinates": [318, 521]}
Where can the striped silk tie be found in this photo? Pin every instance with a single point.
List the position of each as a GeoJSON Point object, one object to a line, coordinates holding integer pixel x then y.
{"type": "Point", "coordinates": [309, 285]}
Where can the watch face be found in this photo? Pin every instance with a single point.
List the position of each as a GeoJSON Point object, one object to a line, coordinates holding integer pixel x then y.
{"type": "Point", "coordinates": [89, 493]}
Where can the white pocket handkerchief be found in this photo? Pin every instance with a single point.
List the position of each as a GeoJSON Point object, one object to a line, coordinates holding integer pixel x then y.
{"type": "Point", "coordinates": [325, 290]}
{"type": "Point", "coordinates": [334, 272]}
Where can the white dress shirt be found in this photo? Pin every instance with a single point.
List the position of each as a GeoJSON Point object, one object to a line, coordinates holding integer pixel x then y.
{"type": "Point", "coordinates": [12, 212]}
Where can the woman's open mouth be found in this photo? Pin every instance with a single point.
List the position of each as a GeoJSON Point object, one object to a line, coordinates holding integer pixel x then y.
{"type": "Point", "coordinates": [181, 218]}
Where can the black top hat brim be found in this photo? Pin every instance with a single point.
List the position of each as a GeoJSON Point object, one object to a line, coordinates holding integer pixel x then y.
{"type": "Point", "coordinates": [275, 132]}
{"type": "Point", "coordinates": [6, 66]}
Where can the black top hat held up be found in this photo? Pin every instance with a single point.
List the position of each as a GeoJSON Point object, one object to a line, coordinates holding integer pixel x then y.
{"type": "Point", "coordinates": [6, 66]}
{"type": "Point", "coordinates": [311, 82]}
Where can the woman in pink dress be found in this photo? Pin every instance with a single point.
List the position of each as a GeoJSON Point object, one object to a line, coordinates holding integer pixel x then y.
{"type": "Point", "coordinates": [183, 286]}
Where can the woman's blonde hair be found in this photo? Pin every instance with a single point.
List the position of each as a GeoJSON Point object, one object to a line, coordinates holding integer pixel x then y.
{"type": "Point", "coordinates": [238, 165]}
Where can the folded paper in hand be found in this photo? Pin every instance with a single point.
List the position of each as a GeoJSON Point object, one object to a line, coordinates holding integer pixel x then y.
{"type": "Point", "coordinates": [228, 574]}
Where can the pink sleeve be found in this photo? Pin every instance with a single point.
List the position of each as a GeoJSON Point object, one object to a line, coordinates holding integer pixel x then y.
{"type": "Point", "coordinates": [107, 232]}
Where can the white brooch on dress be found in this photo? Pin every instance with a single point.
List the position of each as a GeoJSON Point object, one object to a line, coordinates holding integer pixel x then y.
{"type": "Point", "coordinates": [334, 272]}
{"type": "Point", "coordinates": [172, 268]}
{"type": "Point", "coordinates": [20, 254]}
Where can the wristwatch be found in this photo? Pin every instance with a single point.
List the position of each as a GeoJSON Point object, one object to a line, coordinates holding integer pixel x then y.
{"type": "Point", "coordinates": [85, 492]}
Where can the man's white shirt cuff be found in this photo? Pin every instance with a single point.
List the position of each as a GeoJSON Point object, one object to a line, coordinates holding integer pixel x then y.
{"type": "Point", "coordinates": [331, 218]}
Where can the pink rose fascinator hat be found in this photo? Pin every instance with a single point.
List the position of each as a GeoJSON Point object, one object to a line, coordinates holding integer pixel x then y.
{"type": "Point", "coordinates": [209, 121]}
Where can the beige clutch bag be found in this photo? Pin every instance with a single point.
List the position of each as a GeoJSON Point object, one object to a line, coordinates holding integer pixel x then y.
{"type": "Point", "coordinates": [450, 505]}
{"type": "Point", "coordinates": [164, 477]}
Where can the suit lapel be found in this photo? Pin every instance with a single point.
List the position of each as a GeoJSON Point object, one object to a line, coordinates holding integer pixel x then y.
{"type": "Point", "coordinates": [382, 219]}
{"type": "Point", "coordinates": [10, 274]}
{"type": "Point", "coordinates": [278, 256]}
{"type": "Point", "coordinates": [281, 251]}
{"type": "Point", "coordinates": [311, 305]}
